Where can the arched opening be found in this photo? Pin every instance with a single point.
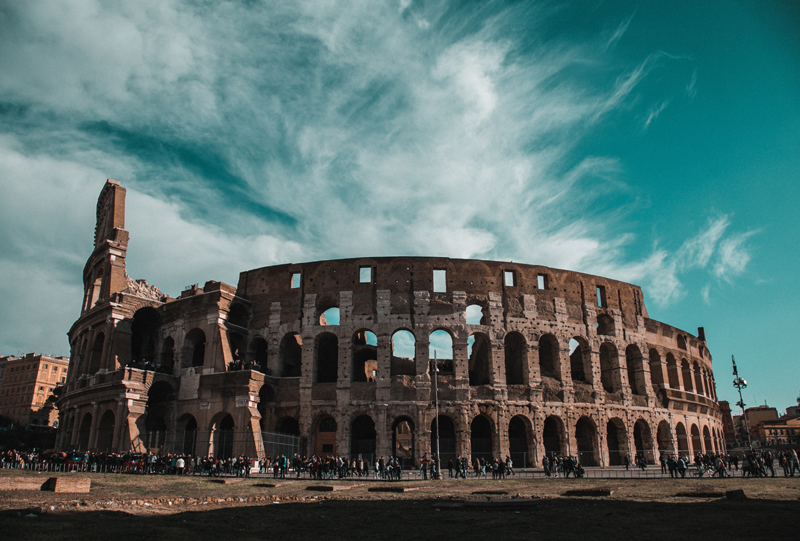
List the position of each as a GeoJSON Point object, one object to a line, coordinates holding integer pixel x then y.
{"type": "Point", "coordinates": [84, 431]}
{"type": "Point", "coordinates": [403, 441]}
{"type": "Point", "coordinates": [365, 357]}
{"type": "Point", "coordinates": [579, 356]}
{"type": "Point", "coordinates": [236, 343]}
{"type": "Point", "coordinates": [266, 404]}
{"type": "Point", "coordinates": [683, 441]}
{"type": "Point", "coordinates": [609, 361]}
{"type": "Point", "coordinates": [553, 436]}
{"type": "Point", "coordinates": [167, 356]}
{"type": "Point", "coordinates": [586, 438]}
{"type": "Point", "coordinates": [698, 379]}
{"type": "Point", "coordinates": [144, 336]}
{"type": "Point", "coordinates": [238, 315]}
{"type": "Point", "coordinates": [329, 317]}
{"type": "Point", "coordinates": [259, 352]}
{"type": "Point", "coordinates": [518, 441]}
{"type": "Point", "coordinates": [617, 440]}
{"type": "Point", "coordinates": [155, 432]}
{"type": "Point", "coordinates": [327, 358]}
{"type": "Point", "coordinates": [447, 439]}
{"type": "Point", "coordinates": [159, 398]}
{"type": "Point", "coordinates": [672, 372]}
{"type": "Point", "coordinates": [548, 357]}
{"type": "Point", "coordinates": [480, 371]}
{"type": "Point", "coordinates": [515, 353]}
{"type": "Point", "coordinates": [697, 442]}
{"type": "Point", "coordinates": [475, 315]}
{"type": "Point", "coordinates": [362, 438]}
{"type": "Point", "coordinates": [188, 440]}
{"type": "Point", "coordinates": [709, 446]}
{"type": "Point", "coordinates": [194, 348]}
{"type": "Point", "coordinates": [290, 355]}
{"type": "Point", "coordinates": [403, 353]}
{"type": "Point", "coordinates": [687, 376]}
{"type": "Point", "coordinates": [326, 437]}
{"type": "Point", "coordinates": [441, 348]}
{"type": "Point", "coordinates": [481, 438]}
{"type": "Point", "coordinates": [223, 437]}
{"type": "Point", "coordinates": [605, 325]}
{"type": "Point", "coordinates": [97, 353]}
{"type": "Point", "coordinates": [664, 438]}
{"type": "Point", "coordinates": [656, 373]}
{"type": "Point", "coordinates": [105, 432]}
{"type": "Point", "coordinates": [635, 363]}
{"type": "Point", "coordinates": [643, 441]}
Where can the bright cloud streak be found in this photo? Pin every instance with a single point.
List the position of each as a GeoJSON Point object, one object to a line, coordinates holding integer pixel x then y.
{"type": "Point", "coordinates": [250, 135]}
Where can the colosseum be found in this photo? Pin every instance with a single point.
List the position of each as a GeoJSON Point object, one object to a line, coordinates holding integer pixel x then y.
{"type": "Point", "coordinates": [337, 357]}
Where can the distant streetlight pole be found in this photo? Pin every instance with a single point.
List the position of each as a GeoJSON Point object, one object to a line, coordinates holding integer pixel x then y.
{"type": "Point", "coordinates": [435, 370]}
{"type": "Point", "coordinates": [741, 383]}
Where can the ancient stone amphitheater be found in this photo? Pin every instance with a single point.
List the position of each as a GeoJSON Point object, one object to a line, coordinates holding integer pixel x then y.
{"type": "Point", "coordinates": [334, 357]}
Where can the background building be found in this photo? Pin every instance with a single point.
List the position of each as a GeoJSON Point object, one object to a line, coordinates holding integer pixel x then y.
{"type": "Point", "coordinates": [27, 384]}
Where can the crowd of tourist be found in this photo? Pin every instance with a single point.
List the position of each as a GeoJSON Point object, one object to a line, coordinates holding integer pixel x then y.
{"type": "Point", "coordinates": [754, 464]}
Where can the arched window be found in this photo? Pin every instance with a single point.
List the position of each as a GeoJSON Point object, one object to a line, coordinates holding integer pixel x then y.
{"type": "Point", "coordinates": [480, 370]}
{"type": "Point", "coordinates": [144, 335]}
{"type": "Point", "coordinates": [441, 347]}
{"type": "Point", "coordinates": [580, 360]}
{"type": "Point", "coordinates": [327, 358]}
{"type": "Point", "coordinates": [260, 355]}
{"type": "Point", "coordinates": [673, 372]}
{"type": "Point", "coordinates": [633, 358]}
{"type": "Point", "coordinates": [97, 353]}
{"type": "Point", "coordinates": [290, 355]}
{"type": "Point", "coordinates": [194, 348]}
{"type": "Point", "coordinates": [475, 315]}
{"type": "Point", "coordinates": [516, 355]}
{"type": "Point", "coordinates": [687, 376]}
{"type": "Point", "coordinates": [605, 325]}
{"type": "Point", "coordinates": [549, 364]}
{"type": "Point", "coordinates": [403, 354]}
{"type": "Point", "coordinates": [365, 356]}
{"type": "Point", "coordinates": [609, 364]}
{"type": "Point", "coordinates": [329, 317]}
{"type": "Point", "coordinates": [656, 371]}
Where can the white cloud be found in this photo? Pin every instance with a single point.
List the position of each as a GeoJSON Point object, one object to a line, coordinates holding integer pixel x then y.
{"type": "Point", "coordinates": [372, 129]}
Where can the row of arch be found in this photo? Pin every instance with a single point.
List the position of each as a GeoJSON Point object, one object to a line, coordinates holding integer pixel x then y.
{"type": "Point", "coordinates": [671, 373]}
{"type": "Point", "coordinates": [588, 438]}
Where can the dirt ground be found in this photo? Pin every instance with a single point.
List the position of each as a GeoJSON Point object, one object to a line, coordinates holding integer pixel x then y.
{"type": "Point", "coordinates": [192, 508]}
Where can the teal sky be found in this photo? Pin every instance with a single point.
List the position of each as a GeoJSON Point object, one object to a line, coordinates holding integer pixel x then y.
{"type": "Point", "coordinates": [655, 143]}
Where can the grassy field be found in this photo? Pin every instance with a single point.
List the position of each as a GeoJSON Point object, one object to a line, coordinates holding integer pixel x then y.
{"type": "Point", "coordinates": [125, 507]}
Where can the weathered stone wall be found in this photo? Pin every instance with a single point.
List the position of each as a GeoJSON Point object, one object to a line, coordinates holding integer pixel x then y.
{"type": "Point", "coordinates": [559, 362]}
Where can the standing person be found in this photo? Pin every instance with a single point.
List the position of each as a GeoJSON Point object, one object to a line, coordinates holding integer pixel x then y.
{"type": "Point", "coordinates": [663, 461]}
{"type": "Point", "coordinates": [681, 467]}
{"type": "Point", "coordinates": [546, 466]}
{"type": "Point", "coordinates": [423, 467]}
{"type": "Point", "coordinates": [795, 463]}
{"type": "Point", "coordinates": [509, 466]}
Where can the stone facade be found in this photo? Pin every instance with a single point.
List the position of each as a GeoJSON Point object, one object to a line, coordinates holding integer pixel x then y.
{"type": "Point", "coordinates": [531, 360]}
{"type": "Point", "coordinates": [26, 385]}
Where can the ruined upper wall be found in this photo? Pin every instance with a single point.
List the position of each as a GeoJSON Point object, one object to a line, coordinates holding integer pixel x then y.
{"type": "Point", "coordinates": [402, 276]}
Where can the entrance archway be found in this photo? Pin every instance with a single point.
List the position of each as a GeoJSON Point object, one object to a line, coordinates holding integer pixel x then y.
{"type": "Point", "coordinates": [518, 442]}
{"type": "Point", "coordinates": [481, 438]}
{"type": "Point", "coordinates": [325, 441]}
{"type": "Point", "coordinates": [586, 438]}
{"type": "Point", "coordinates": [403, 441]}
{"type": "Point", "coordinates": [617, 440]}
{"type": "Point", "coordinates": [362, 439]}
{"type": "Point", "coordinates": [553, 436]}
{"type": "Point", "coordinates": [447, 439]}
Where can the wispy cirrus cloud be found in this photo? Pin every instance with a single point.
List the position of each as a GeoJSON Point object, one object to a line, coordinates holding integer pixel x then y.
{"type": "Point", "coordinates": [252, 134]}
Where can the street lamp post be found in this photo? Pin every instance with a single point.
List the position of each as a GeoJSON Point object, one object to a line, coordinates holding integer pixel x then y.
{"type": "Point", "coordinates": [741, 383]}
{"type": "Point", "coordinates": [435, 370]}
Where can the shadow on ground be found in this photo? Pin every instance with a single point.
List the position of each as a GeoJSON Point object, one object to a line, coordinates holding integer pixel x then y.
{"type": "Point", "coordinates": [560, 518]}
